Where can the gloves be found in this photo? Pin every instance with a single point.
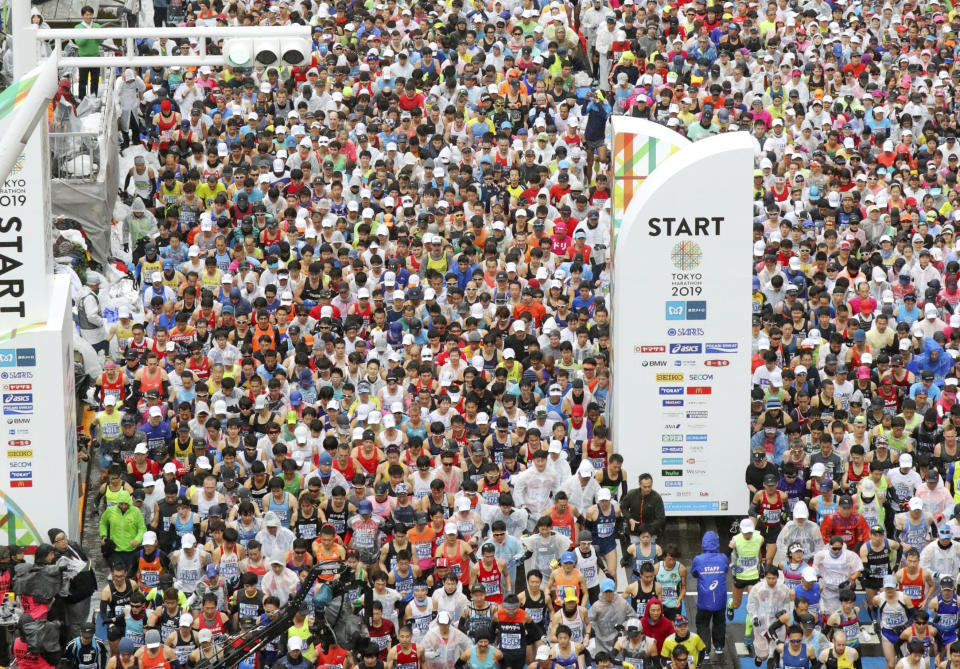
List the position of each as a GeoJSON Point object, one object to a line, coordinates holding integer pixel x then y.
{"type": "Point", "coordinates": [625, 561]}
{"type": "Point", "coordinates": [756, 623]}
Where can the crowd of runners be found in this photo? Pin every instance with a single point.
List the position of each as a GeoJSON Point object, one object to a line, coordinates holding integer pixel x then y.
{"type": "Point", "coordinates": [376, 340]}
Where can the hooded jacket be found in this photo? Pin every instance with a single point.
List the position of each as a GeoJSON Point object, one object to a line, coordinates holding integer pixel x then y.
{"type": "Point", "coordinates": [125, 529]}
{"type": "Point", "coordinates": [710, 569]}
{"type": "Point", "coordinates": [660, 630]}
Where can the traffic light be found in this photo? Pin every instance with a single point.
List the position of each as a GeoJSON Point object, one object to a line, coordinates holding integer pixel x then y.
{"type": "Point", "coordinates": [239, 52]}
{"type": "Point", "coordinates": [295, 51]}
{"type": "Point", "coordinates": [242, 52]}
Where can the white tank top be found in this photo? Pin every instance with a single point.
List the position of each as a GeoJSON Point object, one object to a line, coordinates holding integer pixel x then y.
{"type": "Point", "coordinates": [189, 571]}
{"type": "Point", "coordinates": [420, 619]}
{"type": "Point", "coordinates": [390, 398]}
{"type": "Point", "coordinates": [384, 441]}
{"type": "Point", "coordinates": [421, 486]}
{"type": "Point", "coordinates": [575, 624]}
{"type": "Point", "coordinates": [588, 567]}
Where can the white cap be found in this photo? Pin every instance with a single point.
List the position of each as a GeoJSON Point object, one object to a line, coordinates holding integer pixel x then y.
{"type": "Point", "coordinates": [746, 525]}
{"type": "Point", "coordinates": [186, 620]}
{"type": "Point", "coordinates": [818, 469]}
{"type": "Point", "coordinates": [543, 653]}
{"type": "Point", "coordinates": [204, 636]}
{"type": "Point", "coordinates": [149, 538]}
{"type": "Point", "coordinates": [140, 449]}
{"type": "Point", "coordinates": [555, 447]}
{"type": "Point", "coordinates": [603, 495]}
{"type": "Point", "coordinates": [188, 541]}
{"type": "Point", "coordinates": [905, 460]}
{"type": "Point", "coordinates": [463, 504]}
{"type": "Point", "coordinates": [800, 510]}
{"type": "Point", "coordinates": [295, 643]}
{"type": "Point", "coordinates": [915, 504]}
{"type": "Point", "coordinates": [451, 528]}
{"type": "Point", "coordinates": [443, 618]}
{"type": "Point", "coordinates": [203, 462]}
{"type": "Point", "coordinates": [219, 407]}
{"type": "Point", "coordinates": [169, 468]}
{"type": "Point", "coordinates": [148, 481]}
{"type": "Point", "coordinates": [809, 574]}
{"type": "Point", "coordinates": [585, 469]}
{"type": "Point", "coordinates": [156, 411]}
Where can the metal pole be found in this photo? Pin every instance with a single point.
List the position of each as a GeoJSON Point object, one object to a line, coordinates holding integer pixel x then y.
{"type": "Point", "coordinates": [143, 61]}
{"type": "Point", "coordinates": [251, 32]}
{"type": "Point", "coordinates": [23, 39]}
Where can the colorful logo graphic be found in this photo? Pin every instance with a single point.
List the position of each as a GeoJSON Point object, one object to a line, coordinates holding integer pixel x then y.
{"type": "Point", "coordinates": [686, 256]}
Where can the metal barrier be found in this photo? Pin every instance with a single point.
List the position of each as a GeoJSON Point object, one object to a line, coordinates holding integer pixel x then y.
{"type": "Point", "coordinates": [79, 155]}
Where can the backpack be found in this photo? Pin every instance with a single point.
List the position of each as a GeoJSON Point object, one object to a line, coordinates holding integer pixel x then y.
{"type": "Point", "coordinates": [42, 637]}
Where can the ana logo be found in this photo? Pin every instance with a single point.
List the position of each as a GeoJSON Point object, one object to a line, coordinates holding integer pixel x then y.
{"type": "Point", "coordinates": [686, 256]}
{"type": "Point", "coordinates": [671, 449]}
{"type": "Point", "coordinates": [669, 378]}
{"type": "Point", "coordinates": [696, 414]}
{"type": "Point", "coordinates": [21, 453]}
{"type": "Point", "coordinates": [723, 347]}
{"type": "Point", "coordinates": [685, 349]}
{"type": "Point", "coordinates": [653, 363]}
{"type": "Point", "coordinates": [663, 472]}
{"type": "Point", "coordinates": [716, 363]}
{"type": "Point", "coordinates": [672, 426]}
{"type": "Point", "coordinates": [671, 461]}
{"type": "Point", "coordinates": [676, 310]}
{"type": "Point", "coordinates": [672, 403]}
{"type": "Point", "coordinates": [18, 386]}
{"type": "Point", "coordinates": [671, 390]}
{"type": "Point", "coordinates": [17, 398]}
{"type": "Point", "coordinates": [671, 438]}
{"type": "Point", "coordinates": [673, 484]}
{"type": "Point", "coordinates": [696, 437]}
{"type": "Point", "coordinates": [653, 349]}
{"type": "Point", "coordinates": [699, 390]}
{"type": "Point", "coordinates": [696, 310]}
{"type": "Point", "coordinates": [700, 377]}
